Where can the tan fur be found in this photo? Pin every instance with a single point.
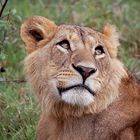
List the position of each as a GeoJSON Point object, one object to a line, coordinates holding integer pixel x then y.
{"type": "Point", "coordinates": [115, 112]}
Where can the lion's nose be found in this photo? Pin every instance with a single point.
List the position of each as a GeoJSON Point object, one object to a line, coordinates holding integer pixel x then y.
{"type": "Point", "coordinates": [84, 71]}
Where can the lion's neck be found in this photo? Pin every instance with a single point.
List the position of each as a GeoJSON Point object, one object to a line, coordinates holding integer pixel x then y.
{"type": "Point", "coordinates": [70, 128]}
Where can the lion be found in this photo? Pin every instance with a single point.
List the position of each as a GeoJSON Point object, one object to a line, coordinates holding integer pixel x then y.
{"type": "Point", "coordinates": [84, 91]}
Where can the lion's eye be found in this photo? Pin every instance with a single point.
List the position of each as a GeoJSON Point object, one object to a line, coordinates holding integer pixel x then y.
{"type": "Point", "coordinates": [99, 50]}
{"type": "Point", "coordinates": [64, 44]}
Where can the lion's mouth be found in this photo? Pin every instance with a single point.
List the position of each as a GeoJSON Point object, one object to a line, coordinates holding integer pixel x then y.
{"type": "Point", "coordinates": [76, 87]}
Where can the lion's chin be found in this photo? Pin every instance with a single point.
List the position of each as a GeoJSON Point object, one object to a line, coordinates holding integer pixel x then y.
{"type": "Point", "coordinates": [81, 97]}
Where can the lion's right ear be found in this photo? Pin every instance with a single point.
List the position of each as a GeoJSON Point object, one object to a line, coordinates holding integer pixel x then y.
{"type": "Point", "coordinates": [112, 35]}
{"type": "Point", "coordinates": [35, 29]}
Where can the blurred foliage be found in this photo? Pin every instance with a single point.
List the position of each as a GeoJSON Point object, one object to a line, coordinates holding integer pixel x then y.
{"type": "Point", "coordinates": [18, 113]}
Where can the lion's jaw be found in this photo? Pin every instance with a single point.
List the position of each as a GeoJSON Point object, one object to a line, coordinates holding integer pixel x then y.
{"type": "Point", "coordinates": [74, 91]}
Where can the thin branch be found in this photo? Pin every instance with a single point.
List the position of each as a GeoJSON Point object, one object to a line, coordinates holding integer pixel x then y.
{"type": "Point", "coordinates": [7, 15]}
{"type": "Point", "coordinates": [3, 6]}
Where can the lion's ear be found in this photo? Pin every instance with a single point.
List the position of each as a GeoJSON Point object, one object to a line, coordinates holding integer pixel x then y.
{"type": "Point", "coordinates": [35, 29]}
{"type": "Point", "coordinates": [113, 37]}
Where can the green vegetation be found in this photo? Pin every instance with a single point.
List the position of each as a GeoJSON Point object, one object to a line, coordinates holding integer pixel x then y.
{"type": "Point", "coordinates": [18, 110]}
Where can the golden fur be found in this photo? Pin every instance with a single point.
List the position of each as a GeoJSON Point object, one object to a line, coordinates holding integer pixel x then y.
{"type": "Point", "coordinates": [114, 112]}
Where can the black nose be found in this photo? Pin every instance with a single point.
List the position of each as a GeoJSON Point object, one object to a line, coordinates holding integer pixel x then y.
{"type": "Point", "coordinates": [84, 71]}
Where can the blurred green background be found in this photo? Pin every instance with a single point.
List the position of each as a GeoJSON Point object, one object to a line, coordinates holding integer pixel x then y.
{"type": "Point", "coordinates": [18, 111]}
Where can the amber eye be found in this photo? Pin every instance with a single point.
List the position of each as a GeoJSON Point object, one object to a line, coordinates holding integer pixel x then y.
{"type": "Point", "coordinates": [99, 50]}
{"type": "Point", "coordinates": [64, 44]}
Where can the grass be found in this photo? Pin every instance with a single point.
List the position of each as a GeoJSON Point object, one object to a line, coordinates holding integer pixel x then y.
{"type": "Point", "coordinates": [18, 111]}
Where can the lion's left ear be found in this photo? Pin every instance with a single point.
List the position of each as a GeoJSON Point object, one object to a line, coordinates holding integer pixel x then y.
{"type": "Point", "coordinates": [36, 29]}
{"type": "Point", "coordinates": [112, 36]}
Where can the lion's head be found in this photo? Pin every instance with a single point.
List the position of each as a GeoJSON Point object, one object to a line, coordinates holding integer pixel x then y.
{"type": "Point", "coordinates": [72, 69]}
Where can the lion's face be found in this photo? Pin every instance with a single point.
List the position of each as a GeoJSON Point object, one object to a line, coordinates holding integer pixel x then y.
{"type": "Point", "coordinates": [75, 65]}
{"type": "Point", "coordinates": [81, 64]}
